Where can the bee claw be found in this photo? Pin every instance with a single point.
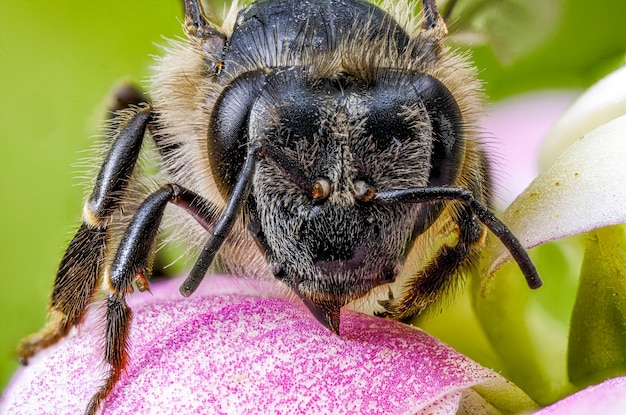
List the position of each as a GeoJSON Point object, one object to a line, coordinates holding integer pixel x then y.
{"type": "Point", "coordinates": [141, 282]}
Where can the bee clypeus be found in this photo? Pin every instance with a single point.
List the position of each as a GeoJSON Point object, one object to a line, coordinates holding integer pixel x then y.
{"type": "Point", "coordinates": [328, 144]}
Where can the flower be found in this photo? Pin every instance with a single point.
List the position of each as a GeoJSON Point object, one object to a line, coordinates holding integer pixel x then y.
{"type": "Point", "coordinates": [572, 332]}
{"type": "Point", "coordinates": [607, 398]}
{"type": "Point", "coordinates": [239, 347]}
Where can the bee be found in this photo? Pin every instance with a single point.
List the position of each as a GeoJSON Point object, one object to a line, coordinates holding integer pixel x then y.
{"type": "Point", "coordinates": [327, 144]}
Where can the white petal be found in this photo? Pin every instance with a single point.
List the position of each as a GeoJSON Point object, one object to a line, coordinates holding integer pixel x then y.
{"type": "Point", "coordinates": [603, 102]}
{"type": "Point", "coordinates": [583, 190]}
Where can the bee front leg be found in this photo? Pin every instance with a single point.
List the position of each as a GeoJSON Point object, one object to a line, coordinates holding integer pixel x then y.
{"type": "Point", "coordinates": [449, 261]}
{"type": "Point", "coordinates": [441, 273]}
{"type": "Point", "coordinates": [80, 269]}
{"type": "Point", "coordinates": [129, 267]}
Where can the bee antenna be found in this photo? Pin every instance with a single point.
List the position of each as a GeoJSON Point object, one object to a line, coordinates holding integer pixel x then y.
{"type": "Point", "coordinates": [196, 24]}
{"type": "Point", "coordinates": [432, 20]}
{"type": "Point", "coordinates": [484, 215]}
{"type": "Point", "coordinates": [224, 225]}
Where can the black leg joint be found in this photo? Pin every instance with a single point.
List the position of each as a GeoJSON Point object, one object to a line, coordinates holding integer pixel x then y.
{"type": "Point", "coordinates": [137, 243]}
{"type": "Point", "coordinates": [118, 166]}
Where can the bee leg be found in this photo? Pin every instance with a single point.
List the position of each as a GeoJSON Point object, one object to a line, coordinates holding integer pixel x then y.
{"type": "Point", "coordinates": [432, 18]}
{"type": "Point", "coordinates": [130, 266]}
{"type": "Point", "coordinates": [81, 267]}
{"type": "Point", "coordinates": [196, 22]}
{"type": "Point", "coordinates": [450, 260]}
{"type": "Point", "coordinates": [126, 95]}
{"type": "Point", "coordinates": [438, 276]}
{"type": "Point", "coordinates": [74, 287]}
{"type": "Point", "coordinates": [118, 316]}
{"type": "Point", "coordinates": [434, 28]}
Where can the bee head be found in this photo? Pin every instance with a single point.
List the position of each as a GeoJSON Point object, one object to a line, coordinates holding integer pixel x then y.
{"type": "Point", "coordinates": [333, 133]}
{"type": "Point", "coordinates": [329, 145]}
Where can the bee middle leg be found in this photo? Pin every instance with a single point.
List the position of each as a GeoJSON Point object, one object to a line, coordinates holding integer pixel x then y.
{"type": "Point", "coordinates": [130, 266]}
{"type": "Point", "coordinates": [133, 253]}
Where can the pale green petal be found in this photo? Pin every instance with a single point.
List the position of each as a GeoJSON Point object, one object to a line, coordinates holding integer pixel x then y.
{"type": "Point", "coordinates": [598, 328]}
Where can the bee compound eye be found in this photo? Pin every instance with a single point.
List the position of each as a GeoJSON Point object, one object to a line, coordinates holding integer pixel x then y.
{"type": "Point", "coordinates": [364, 191]}
{"type": "Point", "coordinates": [320, 189]}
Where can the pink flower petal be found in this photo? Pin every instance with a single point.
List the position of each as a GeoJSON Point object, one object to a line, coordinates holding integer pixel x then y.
{"type": "Point", "coordinates": [607, 398]}
{"type": "Point", "coordinates": [244, 353]}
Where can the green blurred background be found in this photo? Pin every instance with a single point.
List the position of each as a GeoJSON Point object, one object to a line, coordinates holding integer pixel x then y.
{"type": "Point", "coordinates": [59, 62]}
